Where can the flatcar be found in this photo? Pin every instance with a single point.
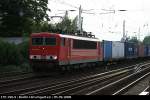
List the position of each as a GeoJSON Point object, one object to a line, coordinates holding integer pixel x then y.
{"type": "Point", "coordinates": [63, 51]}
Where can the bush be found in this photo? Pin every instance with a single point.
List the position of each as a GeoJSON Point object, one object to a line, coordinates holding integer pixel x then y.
{"type": "Point", "coordinates": [9, 54]}
{"type": "Point", "coordinates": [24, 50]}
{"type": "Point", "coordinates": [24, 67]}
{"type": "Point", "coordinates": [14, 57]}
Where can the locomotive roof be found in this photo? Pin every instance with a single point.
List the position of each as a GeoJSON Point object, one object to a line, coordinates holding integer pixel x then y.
{"type": "Point", "coordinates": [68, 36]}
{"type": "Point", "coordinates": [78, 37]}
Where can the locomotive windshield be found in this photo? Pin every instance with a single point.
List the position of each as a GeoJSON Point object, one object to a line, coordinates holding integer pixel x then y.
{"type": "Point", "coordinates": [50, 41]}
{"type": "Point", "coordinates": [37, 41]}
{"type": "Point", "coordinates": [44, 41]}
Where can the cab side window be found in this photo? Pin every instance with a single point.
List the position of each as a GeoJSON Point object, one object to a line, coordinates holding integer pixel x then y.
{"type": "Point", "coordinates": [63, 41]}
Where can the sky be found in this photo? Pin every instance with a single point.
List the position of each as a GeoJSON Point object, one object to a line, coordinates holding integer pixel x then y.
{"type": "Point", "coordinates": [107, 26]}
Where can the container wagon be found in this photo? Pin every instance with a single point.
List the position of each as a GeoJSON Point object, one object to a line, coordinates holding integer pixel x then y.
{"type": "Point", "coordinates": [131, 50]}
{"type": "Point", "coordinates": [141, 50]}
{"type": "Point", "coordinates": [107, 50]}
{"type": "Point", "coordinates": [117, 50]}
{"type": "Point", "coordinates": [147, 50]}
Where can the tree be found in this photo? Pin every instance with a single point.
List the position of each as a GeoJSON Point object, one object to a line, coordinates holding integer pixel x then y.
{"type": "Point", "coordinates": [74, 25]}
{"type": "Point", "coordinates": [67, 26]}
{"type": "Point", "coordinates": [18, 16]}
{"type": "Point", "coordinates": [133, 39]}
{"type": "Point", "coordinates": [146, 40]}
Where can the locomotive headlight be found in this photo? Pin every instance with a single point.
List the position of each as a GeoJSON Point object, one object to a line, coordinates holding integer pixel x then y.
{"type": "Point", "coordinates": [31, 56]}
{"type": "Point", "coordinates": [35, 57]}
{"type": "Point", "coordinates": [51, 57]}
{"type": "Point", "coordinates": [54, 57]}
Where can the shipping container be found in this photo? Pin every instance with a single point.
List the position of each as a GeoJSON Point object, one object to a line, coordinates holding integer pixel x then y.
{"type": "Point", "coordinates": [117, 50]}
{"type": "Point", "coordinates": [107, 50]}
{"type": "Point", "coordinates": [147, 50]}
{"type": "Point", "coordinates": [131, 50]}
{"type": "Point", "coordinates": [100, 51]}
{"type": "Point", "coordinates": [140, 50]}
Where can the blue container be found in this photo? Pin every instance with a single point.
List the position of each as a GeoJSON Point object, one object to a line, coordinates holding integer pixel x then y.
{"type": "Point", "coordinates": [147, 50]}
{"type": "Point", "coordinates": [131, 50]}
{"type": "Point", "coordinates": [107, 50]}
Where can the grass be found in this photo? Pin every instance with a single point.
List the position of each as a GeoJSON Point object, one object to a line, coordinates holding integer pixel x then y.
{"type": "Point", "coordinates": [14, 58]}
{"type": "Point", "coordinates": [10, 69]}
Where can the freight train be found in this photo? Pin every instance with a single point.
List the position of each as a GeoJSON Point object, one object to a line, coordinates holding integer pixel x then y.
{"type": "Point", "coordinates": [67, 51]}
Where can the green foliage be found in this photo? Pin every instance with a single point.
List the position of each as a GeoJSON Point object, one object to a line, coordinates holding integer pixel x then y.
{"type": "Point", "coordinates": [66, 26]}
{"type": "Point", "coordinates": [9, 54]}
{"type": "Point", "coordinates": [74, 27]}
{"type": "Point", "coordinates": [146, 40]}
{"type": "Point", "coordinates": [24, 50]}
{"type": "Point", "coordinates": [19, 16]}
{"type": "Point", "coordinates": [25, 67]}
{"type": "Point", "coordinates": [52, 28]}
{"type": "Point", "coordinates": [14, 69]}
{"type": "Point", "coordinates": [13, 54]}
{"type": "Point", "coordinates": [22, 17]}
{"type": "Point", "coordinates": [14, 58]}
{"type": "Point", "coordinates": [133, 39]}
{"type": "Point", "coordinates": [41, 27]}
{"type": "Point", "coordinates": [9, 68]}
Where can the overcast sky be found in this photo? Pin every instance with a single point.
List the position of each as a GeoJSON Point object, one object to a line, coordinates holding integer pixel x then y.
{"type": "Point", "coordinates": [108, 26]}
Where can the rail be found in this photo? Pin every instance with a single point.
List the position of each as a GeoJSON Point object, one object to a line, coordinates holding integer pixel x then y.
{"type": "Point", "coordinates": [110, 88]}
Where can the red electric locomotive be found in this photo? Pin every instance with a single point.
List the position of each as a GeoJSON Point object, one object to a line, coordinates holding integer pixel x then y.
{"type": "Point", "coordinates": [63, 51]}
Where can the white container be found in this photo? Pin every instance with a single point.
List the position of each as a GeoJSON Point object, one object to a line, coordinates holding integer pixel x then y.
{"type": "Point", "coordinates": [117, 50]}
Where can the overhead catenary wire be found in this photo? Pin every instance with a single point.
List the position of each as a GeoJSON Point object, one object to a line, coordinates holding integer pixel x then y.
{"type": "Point", "coordinates": [86, 11]}
{"type": "Point", "coordinates": [64, 3]}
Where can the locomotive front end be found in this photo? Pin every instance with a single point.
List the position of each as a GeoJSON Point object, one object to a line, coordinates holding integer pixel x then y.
{"type": "Point", "coordinates": [43, 50]}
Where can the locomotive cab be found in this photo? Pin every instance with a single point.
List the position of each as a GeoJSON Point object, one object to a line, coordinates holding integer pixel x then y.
{"type": "Point", "coordinates": [44, 49]}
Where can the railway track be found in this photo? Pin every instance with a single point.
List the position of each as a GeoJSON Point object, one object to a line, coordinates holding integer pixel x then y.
{"type": "Point", "coordinates": [72, 86]}
{"type": "Point", "coordinates": [125, 88]}
{"type": "Point", "coordinates": [8, 77]}
{"type": "Point", "coordinates": [119, 86]}
{"type": "Point", "coordinates": [81, 86]}
{"type": "Point", "coordinates": [23, 76]}
{"type": "Point", "coordinates": [14, 73]}
{"type": "Point", "coordinates": [9, 73]}
{"type": "Point", "coordinates": [35, 89]}
{"type": "Point", "coordinates": [146, 91]}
